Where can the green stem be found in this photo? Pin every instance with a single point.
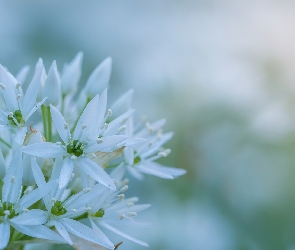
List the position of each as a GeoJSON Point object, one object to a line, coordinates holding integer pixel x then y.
{"type": "Point", "coordinates": [44, 118]}
{"type": "Point", "coordinates": [47, 125]}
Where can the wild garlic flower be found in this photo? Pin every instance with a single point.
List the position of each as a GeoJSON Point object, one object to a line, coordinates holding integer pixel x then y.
{"type": "Point", "coordinates": [15, 203]}
{"type": "Point", "coordinates": [55, 167]}
{"type": "Point", "coordinates": [19, 106]}
{"type": "Point", "coordinates": [62, 211]}
{"type": "Point", "coordinates": [140, 159]}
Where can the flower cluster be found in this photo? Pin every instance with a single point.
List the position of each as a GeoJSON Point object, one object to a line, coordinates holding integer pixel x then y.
{"type": "Point", "coordinates": [64, 155]}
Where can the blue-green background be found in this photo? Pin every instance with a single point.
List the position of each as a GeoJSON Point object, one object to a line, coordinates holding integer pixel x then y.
{"type": "Point", "coordinates": [222, 73]}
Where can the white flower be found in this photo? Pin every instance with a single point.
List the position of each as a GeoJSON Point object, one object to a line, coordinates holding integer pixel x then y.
{"type": "Point", "coordinates": [14, 210]}
{"type": "Point", "coordinates": [61, 213]}
{"type": "Point", "coordinates": [78, 149]}
{"type": "Point", "coordinates": [139, 159]}
{"type": "Point", "coordinates": [110, 210]}
{"type": "Point", "coordinates": [20, 106]}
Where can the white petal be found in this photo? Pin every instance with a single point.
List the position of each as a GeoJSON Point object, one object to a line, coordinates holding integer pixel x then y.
{"type": "Point", "coordinates": [22, 74]}
{"type": "Point", "coordinates": [129, 155]}
{"type": "Point", "coordinates": [157, 170]}
{"type": "Point", "coordinates": [107, 226]}
{"type": "Point", "coordinates": [44, 149]}
{"type": "Point", "coordinates": [28, 177]}
{"type": "Point", "coordinates": [101, 235]}
{"type": "Point", "coordinates": [9, 93]}
{"type": "Point", "coordinates": [114, 125]}
{"type": "Point", "coordinates": [32, 91]}
{"type": "Point", "coordinates": [37, 173]}
{"type": "Point", "coordinates": [34, 108]}
{"type": "Point", "coordinates": [4, 234]}
{"type": "Point", "coordinates": [30, 218]}
{"type": "Point", "coordinates": [108, 142]}
{"type": "Point", "coordinates": [56, 168]}
{"type": "Point", "coordinates": [63, 232]}
{"type": "Point", "coordinates": [99, 79]}
{"type": "Point", "coordinates": [60, 124]}
{"type": "Point", "coordinates": [38, 231]}
{"type": "Point", "coordinates": [135, 173]}
{"type": "Point", "coordinates": [85, 232]}
{"type": "Point", "coordinates": [71, 74]}
{"type": "Point", "coordinates": [2, 166]}
{"type": "Point", "coordinates": [122, 104]}
{"type": "Point", "coordinates": [52, 86]}
{"type": "Point", "coordinates": [13, 179]}
{"type": "Point", "coordinates": [66, 171]}
{"type": "Point", "coordinates": [34, 196]}
{"type": "Point", "coordinates": [20, 135]}
{"type": "Point", "coordinates": [89, 118]}
{"type": "Point", "coordinates": [96, 172]}
{"type": "Point", "coordinates": [80, 199]}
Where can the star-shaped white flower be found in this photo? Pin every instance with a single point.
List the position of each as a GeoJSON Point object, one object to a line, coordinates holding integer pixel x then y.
{"type": "Point", "coordinates": [140, 158]}
{"type": "Point", "coordinates": [20, 107]}
{"type": "Point", "coordinates": [79, 148]}
{"type": "Point", "coordinates": [14, 210]}
{"type": "Point", "coordinates": [61, 212]}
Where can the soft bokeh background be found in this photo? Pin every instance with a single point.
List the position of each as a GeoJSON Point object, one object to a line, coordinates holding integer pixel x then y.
{"type": "Point", "coordinates": [222, 73]}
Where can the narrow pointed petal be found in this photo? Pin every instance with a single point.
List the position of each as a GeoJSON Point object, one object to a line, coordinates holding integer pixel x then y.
{"type": "Point", "coordinates": [39, 231]}
{"type": "Point", "coordinates": [37, 173]}
{"type": "Point", "coordinates": [102, 236]}
{"type": "Point", "coordinates": [30, 218]}
{"type": "Point", "coordinates": [89, 118]}
{"type": "Point", "coordinates": [85, 232]}
{"type": "Point", "coordinates": [175, 172]}
{"type": "Point", "coordinates": [99, 79]}
{"type": "Point", "coordinates": [9, 92]}
{"type": "Point", "coordinates": [44, 150]}
{"type": "Point", "coordinates": [4, 234]}
{"type": "Point", "coordinates": [114, 125]}
{"type": "Point", "coordinates": [151, 169]}
{"type": "Point", "coordinates": [32, 91]}
{"type": "Point", "coordinates": [115, 230]}
{"type": "Point", "coordinates": [60, 124]}
{"type": "Point", "coordinates": [13, 179]}
{"type": "Point", "coordinates": [22, 74]}
{"type": "Point", "coordinates": [2, 166]}
{"type": "Point", "coordinates": [96, 172]}
{"type": "Point", "coordinates": [66, 171]}
{"type": "Point", "coordinates": [71, 74]}
{"type": "Point", "coordinates": [34, 108]}
{"type": "Point", "coordinates": [63, 232]}
{"type": "Point", "coordinates": [56, 168]}
{"type": "Point", "coordinates": [108, 142]}
{"type": "Point", "coordinates": [34, 196]}
{"type": "Point", "coordinates": [28, 177]}
{"type": "Point", "coordinates": [123, 104]}
{"type": "Point", "coordinates": [52, 86]}
{"type": "Point", "coordinates": [135, 173]}
{"type": "Point", "coordinates": [20, 135]}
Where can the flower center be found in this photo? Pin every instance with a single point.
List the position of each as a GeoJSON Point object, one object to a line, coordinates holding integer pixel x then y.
{"type": "Point", "coordinates": [75, 148]}
{"type": "Point", "coordinates": [16, 118]}
{"type": "Point", "coordinates": [99, 213]}
{"type": "Point", "coordinates": [7, 209]}
{"type": "Point", "coordinates": [136, 160]}
{"type": "Point", "coordinates": [57, 209]}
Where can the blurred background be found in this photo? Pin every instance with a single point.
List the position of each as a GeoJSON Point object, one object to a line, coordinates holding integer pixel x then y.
{"type": "Point", "coordinates": [222, 73]}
